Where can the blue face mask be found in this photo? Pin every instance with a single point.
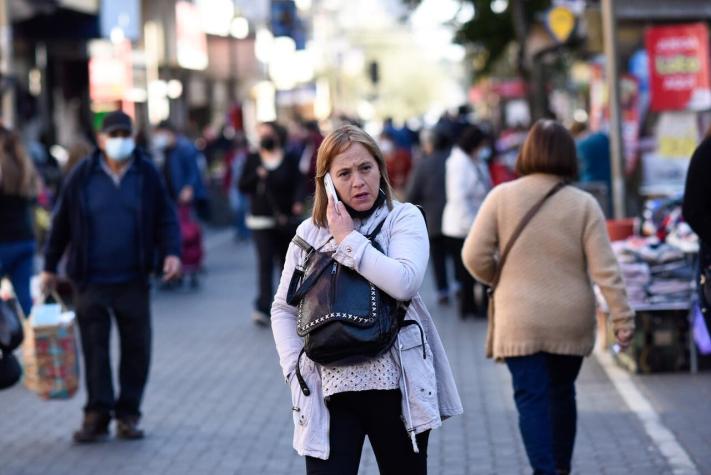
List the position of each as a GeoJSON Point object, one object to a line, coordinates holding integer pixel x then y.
{"type": "Point", "coordinates": [485, 154]}
{"type": "Point", "coordinates": [120, 148]}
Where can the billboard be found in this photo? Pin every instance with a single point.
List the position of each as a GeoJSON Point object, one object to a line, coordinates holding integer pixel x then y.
{"type": "Point", "coordinates": [679, 67]}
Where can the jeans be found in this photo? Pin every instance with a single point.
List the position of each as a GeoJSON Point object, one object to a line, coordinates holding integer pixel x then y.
{"type": "Point", "coordinates": [271, 249]}
{"type": "Point", "coordinates": [544, 391]}
{"type": "Point", "coordinates": [17, 263]}
{"type": "Point", "coordinates": [130, 306]}
{"type": "Point", "coordinates": [375, 414]}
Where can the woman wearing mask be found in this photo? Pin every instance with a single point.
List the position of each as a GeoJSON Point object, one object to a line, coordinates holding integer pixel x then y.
{"type": "Point", "coordinates": [544, 307]}
{"type": "Point", "coordinates": [19, 186]}
{"type": "Point", "coordinates": [467, 183]}
{"type": "Point", "coordinates": [348, 403]}
{"type": "Point", "coordinates": [275, 187]}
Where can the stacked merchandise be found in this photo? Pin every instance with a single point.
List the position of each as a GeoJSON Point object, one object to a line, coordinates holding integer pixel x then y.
{"type": "Point", "coordinates": [655, 273]}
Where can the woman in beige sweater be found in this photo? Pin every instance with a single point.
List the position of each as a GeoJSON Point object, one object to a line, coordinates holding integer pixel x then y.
{"type": "Point", "coordinates": [544, 322]}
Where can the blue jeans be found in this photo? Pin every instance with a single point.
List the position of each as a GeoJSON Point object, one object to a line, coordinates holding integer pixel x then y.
{"type": "Point", "coordinates": [544, 391]}
{"type": "Point", "coordinates": [17, 263]}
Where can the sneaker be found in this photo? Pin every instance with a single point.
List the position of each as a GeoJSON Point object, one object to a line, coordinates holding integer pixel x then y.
{"type": "Point", "coordinates": [94, 428]}
{"type": "Point", "coordinates": [261, 318]}
{"type": "Point", "coordinates": [127, 428]}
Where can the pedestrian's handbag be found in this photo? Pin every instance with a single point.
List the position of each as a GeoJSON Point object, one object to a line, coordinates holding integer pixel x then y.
{"type": "Point", "coordinates": [10, 370]}
{"type": "Point", "coordinates": [495, 281]}
{"type": "Point", "coordinates": [343, 317]}
{"type": "Point", "coordinates": [11, 333]}
{"type": "Point", "coordinates": [50, 351]}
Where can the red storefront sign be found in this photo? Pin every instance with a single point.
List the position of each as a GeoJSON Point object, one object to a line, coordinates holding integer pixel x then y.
{"type": "Point", "coordinates": [679, 67]}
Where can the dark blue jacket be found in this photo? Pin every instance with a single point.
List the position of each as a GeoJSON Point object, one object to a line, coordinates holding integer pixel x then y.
{"type": "Point", "coordinates": [182, 169]}
{"type": "Point", "coordinates": [158, 231]}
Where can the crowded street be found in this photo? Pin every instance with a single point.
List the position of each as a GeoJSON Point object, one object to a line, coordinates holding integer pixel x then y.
{"type": "Point", "coordinates": [326, 237]}
{"type": "Point", "coordinates": [216, 403]}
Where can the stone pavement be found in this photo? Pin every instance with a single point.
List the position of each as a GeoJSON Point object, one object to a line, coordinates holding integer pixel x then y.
{"type": "Point", "coordinates": [216, 402]}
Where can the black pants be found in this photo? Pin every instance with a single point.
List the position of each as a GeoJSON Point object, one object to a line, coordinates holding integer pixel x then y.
{"type": "Point", "coordinates": [467, 303]}
{"type": "Point", "coordinates": [271, 249]}
{"type": "Point", "coordinates": [377, 415]}
{"type": "Point", "coordinates": [439, 251]}
{"type": "Point", "coordinates": [130, 306]}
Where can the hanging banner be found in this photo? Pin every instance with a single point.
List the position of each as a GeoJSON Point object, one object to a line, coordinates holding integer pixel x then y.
{"type": "Point", "coordinates": [679, 67]}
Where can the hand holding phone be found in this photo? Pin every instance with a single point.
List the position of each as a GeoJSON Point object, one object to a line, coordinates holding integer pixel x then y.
{"type": "Point", "coordinates": [330, 189]}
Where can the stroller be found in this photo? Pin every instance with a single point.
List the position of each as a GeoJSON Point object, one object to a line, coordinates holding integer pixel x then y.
{"type": "Point", "coordinates": [192, 249]}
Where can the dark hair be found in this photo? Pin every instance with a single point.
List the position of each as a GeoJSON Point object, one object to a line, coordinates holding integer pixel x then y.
{"type": "Point", "coordinates": [279, 131]}
{"type": "Point", "coordinates": [549, 148]}
{"type": "Point", "coordinates": [470, 138]}
{"type": "Point", "coordinates": [441, 138]}
{"type": "Point", "coordinates": [166, 125]}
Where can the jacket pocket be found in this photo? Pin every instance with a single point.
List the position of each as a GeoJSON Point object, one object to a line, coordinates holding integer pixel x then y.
{"type": "Point", "coordinates": [420, 380]}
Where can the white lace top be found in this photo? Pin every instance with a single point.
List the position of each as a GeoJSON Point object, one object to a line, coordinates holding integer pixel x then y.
{"type": "Point", "coordinates": [379, 373]}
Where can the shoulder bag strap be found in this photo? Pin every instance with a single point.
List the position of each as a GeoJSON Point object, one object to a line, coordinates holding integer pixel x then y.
{"type": "Point", "coordinates": [517, 232]}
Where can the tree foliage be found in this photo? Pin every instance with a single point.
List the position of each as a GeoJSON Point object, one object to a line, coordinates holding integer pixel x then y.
{"type": "Point", "coordinates": [492, 32]}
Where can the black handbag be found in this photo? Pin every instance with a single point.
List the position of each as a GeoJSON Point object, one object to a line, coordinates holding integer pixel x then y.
{"type": "Point", "coordinates": [343, 317]}
{"type": "Point", "coordinates": [11, 333]}
{"type": "Point", "coordinates": [10, 370]}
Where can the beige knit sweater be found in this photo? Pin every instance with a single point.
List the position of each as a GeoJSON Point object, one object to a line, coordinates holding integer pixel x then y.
{"type": "Point", "coordinates": [544, 300]}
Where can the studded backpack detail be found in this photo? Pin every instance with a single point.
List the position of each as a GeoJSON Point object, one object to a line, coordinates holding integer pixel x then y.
{"type": "Point", "coordinates": [343, 317]}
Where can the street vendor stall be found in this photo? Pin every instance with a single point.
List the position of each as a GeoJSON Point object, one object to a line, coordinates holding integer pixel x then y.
{"type": "Point", "coordinates": [659, 270]}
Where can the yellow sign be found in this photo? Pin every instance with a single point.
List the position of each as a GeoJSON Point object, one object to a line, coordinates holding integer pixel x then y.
{"type": "Point", "coordinates": [561, 23]}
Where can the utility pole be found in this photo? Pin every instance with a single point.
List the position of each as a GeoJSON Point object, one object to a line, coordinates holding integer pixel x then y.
{"type": "Point", "coordinates": [609, 25]}
{"type": "Point", "coordinates": [8, 95]}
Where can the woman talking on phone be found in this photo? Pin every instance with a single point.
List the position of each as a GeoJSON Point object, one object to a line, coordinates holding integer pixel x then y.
{"type": "Point", "coordinates": [396, 397]}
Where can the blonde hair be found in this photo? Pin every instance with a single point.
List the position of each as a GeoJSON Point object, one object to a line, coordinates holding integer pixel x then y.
{"type": "Point", "coordinates": [334, 144]}
{"type": "Point", "coordinates": [18, 175]}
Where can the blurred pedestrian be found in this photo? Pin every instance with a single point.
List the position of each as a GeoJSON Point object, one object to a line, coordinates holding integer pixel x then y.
{"type": "Point", "coordinates": [427, 188]}
{"type": "Point", "coordinates": [239, 202]}
{"type": "Point", "coordinates": [398, 160]}
{"type": "Point", "coordinates": [467, 184]}
{"type": "Point", "coordinates": [543, 321]}
{"type": "Point", "coordinates": [275, 187]}
{"type": "Point", "coordinates": [113, 215]}
{"type": "Point", "coordinates": [394, 399]}
{"type": "Point", "coordinates": [180, 164]}
{"type": "Point", "coordinates": [19, 186]}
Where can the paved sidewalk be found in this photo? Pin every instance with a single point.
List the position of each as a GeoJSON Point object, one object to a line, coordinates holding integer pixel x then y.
{"type": "Point", "coordinates": [216, 403]}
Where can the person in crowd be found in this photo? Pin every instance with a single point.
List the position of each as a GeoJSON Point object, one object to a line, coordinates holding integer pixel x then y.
{"type": "Point", "coordinates": [544, 306]}
{"type": "Point", "coordinates": [112, 217]}
{"type": "Point", "coordinates": [239, 202]}
{"type": "Point", "coordinates": [467, 184]}
{"type": "Point", "coordinates": [593, 148]}
{"type": "Point", "coordinates": [19, 186]}
{"type": "Point", "coordinates": [427, 188]}
{"type": "Point", "coordinates": [398, 160]}
{"type": "Point", "coordinates": [272, 180]}
{"type": "Point", "coordinates": [696, 209]}
{"type": "Point", "coordinates": [348, 403]}
{"type": "Point", "coordinates": [180, 163]}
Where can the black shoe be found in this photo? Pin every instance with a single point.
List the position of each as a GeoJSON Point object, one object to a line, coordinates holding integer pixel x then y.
{"type": "Point", "coordinates": [127, 428]}
{"type": "Point", "coordinates": [94, 428]}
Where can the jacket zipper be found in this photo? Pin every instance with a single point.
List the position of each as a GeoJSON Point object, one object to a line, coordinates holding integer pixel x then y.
{"type": "Point", "coordinates": [408, 416]}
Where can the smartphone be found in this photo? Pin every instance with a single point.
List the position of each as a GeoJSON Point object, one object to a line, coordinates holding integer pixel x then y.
{"type": "Point", "coordinates": [330, 189]}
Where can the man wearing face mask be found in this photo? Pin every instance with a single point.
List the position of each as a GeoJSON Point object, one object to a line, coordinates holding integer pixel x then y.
{"type": "Point", "coordinates": [113, 217]}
